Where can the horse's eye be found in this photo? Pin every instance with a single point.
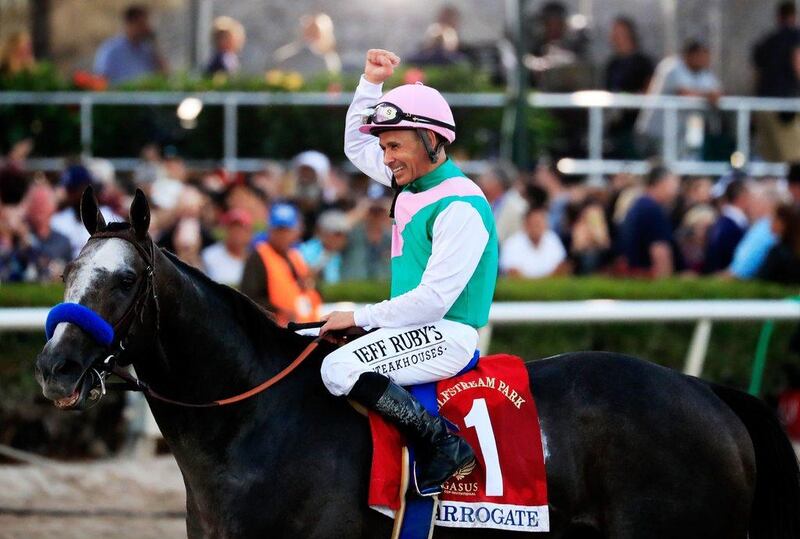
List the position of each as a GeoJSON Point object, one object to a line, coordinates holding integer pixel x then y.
{"type": "Point", "coordinates": [127, 283]}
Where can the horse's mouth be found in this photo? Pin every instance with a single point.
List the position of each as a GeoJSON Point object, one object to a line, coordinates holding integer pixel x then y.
{"type": "Point", "coordinates": [77, 399]}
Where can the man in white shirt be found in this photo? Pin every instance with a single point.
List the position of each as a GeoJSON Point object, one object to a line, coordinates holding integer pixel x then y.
{"type": "Point", "coordinates": [536, 251]}
{"type": "Point", "coordinates": [224, 260]}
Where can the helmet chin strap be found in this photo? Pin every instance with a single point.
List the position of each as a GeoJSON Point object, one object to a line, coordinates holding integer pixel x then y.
{"type": "Point", "coordinates": [433, 153]}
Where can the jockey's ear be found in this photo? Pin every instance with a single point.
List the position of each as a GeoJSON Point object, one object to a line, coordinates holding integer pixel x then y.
{"type": "Point", "coordinates": [140, 214]}
{"type": "Point", "coordinates": [91, 217]}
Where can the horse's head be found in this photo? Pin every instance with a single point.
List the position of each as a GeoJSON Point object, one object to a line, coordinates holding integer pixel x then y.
{"type": "Point", "coordinates": [110, 277]}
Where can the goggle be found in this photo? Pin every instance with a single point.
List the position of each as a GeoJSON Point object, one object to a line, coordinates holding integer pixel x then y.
{"type": "Point", "coordinates": [391, 114]}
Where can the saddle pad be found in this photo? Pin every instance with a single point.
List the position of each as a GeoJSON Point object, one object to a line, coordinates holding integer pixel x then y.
{"type": "Point", "coordinates": [493, 409]}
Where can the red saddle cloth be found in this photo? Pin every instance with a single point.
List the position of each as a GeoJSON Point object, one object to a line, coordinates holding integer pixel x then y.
{"type": "Point", "coordinates": [494, 410]}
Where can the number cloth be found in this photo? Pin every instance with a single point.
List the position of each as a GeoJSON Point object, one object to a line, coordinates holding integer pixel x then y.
{"type": "Point", "coordinates": [494, 410]}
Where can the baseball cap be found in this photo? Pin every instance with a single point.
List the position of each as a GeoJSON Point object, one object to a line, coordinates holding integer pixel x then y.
{"type": "Point", "coordinates": [283, 215]}
{"type": "Point", "coordinates": [75, 177]}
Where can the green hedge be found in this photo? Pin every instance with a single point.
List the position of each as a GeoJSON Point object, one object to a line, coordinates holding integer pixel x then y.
{"type": "Point", "coordinates": [553, 289]}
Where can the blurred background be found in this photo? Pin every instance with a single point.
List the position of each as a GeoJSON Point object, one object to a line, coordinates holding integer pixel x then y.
{"type": "Point", "coordinates": [631, 151]}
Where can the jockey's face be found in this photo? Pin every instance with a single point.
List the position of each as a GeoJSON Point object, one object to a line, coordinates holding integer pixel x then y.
{"type": "Point", "coordinates": [404, 153]}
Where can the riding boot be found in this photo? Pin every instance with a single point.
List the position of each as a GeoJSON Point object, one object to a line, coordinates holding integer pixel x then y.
{"type": "Point", "coordinates": [439, 453]}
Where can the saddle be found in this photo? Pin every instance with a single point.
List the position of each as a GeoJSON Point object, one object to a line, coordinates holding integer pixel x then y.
{"type": "Point", "coordinates": [490, 405]}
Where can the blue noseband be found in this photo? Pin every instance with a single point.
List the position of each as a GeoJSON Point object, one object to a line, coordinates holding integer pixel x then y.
{"type": "Point", "coordinates": [83, 317]}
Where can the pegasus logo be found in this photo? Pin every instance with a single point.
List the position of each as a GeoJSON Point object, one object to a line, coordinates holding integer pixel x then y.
{"type": "Point", "coordinates": [465, 470]}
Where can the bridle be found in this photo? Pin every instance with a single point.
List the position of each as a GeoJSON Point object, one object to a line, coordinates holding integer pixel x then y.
{"type": "Point", "coordinates": [122, 330]}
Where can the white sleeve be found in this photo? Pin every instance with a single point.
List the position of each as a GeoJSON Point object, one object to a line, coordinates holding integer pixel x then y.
{"type": "Point", "coordinates": [363, 150]}
{"type": "Point", "coordinates": [459, 238]}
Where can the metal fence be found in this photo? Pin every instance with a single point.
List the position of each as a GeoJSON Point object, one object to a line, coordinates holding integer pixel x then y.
{"type": "Point", "coordinates": [596, 103]}
{"type": "Point", "coordinates": [702, 313]}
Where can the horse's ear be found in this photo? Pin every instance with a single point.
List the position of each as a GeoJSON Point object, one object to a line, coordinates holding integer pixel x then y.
{"type": "Point", "coordinates": [92, 219]}
{"type": "Point", "coordinates": [140, 214]}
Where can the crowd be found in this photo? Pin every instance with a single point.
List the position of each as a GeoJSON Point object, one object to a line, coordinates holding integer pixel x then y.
{"type": "Point", "coordinates": [291, 226]}
{"type": "Point", "coordinates": [335, 227]}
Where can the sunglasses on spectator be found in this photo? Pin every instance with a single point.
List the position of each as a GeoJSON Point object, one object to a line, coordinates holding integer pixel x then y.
{"type": "Point", "coordinates": [390, 114]}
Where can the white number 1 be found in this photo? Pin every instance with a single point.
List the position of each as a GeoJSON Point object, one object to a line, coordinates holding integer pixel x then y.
{"type": "Point", "coordinates": [478, 417]}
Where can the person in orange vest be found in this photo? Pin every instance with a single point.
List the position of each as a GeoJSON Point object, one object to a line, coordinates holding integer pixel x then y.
{"type": "Point", "coordinates": [275, 275]}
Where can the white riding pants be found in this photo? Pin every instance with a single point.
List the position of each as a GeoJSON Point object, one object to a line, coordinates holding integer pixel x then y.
{"type": "Point", "coordinates": [407, 355]}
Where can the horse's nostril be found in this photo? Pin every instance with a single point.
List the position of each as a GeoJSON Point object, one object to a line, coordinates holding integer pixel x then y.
{"type": "Point", "coordinates": [66, 367]}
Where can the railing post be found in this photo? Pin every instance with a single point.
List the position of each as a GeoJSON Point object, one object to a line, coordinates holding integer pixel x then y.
{"type": "Point", "coordinates": [87, 128]}
{"type": "Point", "coordinates": [743, 132]}
{"type": "Point", "coordinates": [230, 139]}
{"type": "Point", "coordinates": [596, 140]}
{"type": "Point", "coordinates": [670, 146]}
{"type": "Point", "coordinates": [696, 356]}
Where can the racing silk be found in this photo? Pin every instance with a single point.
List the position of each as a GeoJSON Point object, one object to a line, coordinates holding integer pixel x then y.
{"type": "Point", "coordinates": [444, 242]}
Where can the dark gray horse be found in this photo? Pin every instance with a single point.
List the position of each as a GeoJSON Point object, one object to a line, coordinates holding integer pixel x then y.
{"type": "Point", "coordinates": [634, 450]}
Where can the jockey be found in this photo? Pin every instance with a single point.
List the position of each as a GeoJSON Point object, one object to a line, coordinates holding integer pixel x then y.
{"type": "Point", "coordinates": [444, 267]}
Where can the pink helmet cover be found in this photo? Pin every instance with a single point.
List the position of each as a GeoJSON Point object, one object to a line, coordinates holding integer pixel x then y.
{"type": "Point", "coordinates": [420, 100]}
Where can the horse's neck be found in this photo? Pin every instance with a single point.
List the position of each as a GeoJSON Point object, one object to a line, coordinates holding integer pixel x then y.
{"type": "Point", "coordinates": [210, 349]}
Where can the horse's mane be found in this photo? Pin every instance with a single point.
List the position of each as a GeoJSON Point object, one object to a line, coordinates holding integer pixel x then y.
{"type": "Point", "coordinates": [259, 323]}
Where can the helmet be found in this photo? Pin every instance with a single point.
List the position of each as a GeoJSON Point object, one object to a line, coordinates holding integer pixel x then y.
{"type": "Point", "coordinates": [408, 107]}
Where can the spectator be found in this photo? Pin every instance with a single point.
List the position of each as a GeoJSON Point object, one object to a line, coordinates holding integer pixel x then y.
{"type": "Point", "coordinates": [314, 51]}
{"type": "Point", "coordinates": [691, 236]}
{"type": "Point", "coordinates": [776, 59]}
{"type": "Point", "coordinates": [535, 251]}
{"type": "Point", "coordinates": [783, 261]}
{"type": "Point", "coordinates": [549, 178]}
{"type": "Point", "coordinates": [793, 182]}
{"type": "Point", "coordinates": [270, 180]}
{"type": "Point", "coordinates": [184, 231]}
{"type": "Point", "coordinates": [323, 252]}
{"type": "Point", "coordinates": [74, 180]}
{"type": "Point", "coordinates": [229, 37]}
{"type": "Point", "coordinates": [628, 70]}
{"type": "Point", "coordinates": [16, 54]}
{"type": "Point", "coordinates": [508, 206]}
{"type": "Point", "coordinates": [224, 260]}
{"type": "Point", "coordinates": [689, 75]}
{"type": "Point", "coordinates": [645, 236]}
{"type": "Point", "coordinates": [275, 275]}
{"type": "Point", "coordinates": [43, 252]}
{"type": "Point", "coordinates": [369, 246]}
{"type": "Point", "coordinates": [14, 181]}
{"type": "Point", "coordinates": [441, 45]}
{"type": "Point", "coordinates": [751, 252]}
{"type": "Point", "coordinates": [132, 54]}
{"type": "Point", "coordinates": [313, 189]}
{"type": "Point", "coordinates": [729, 228]}
{"type": "Point", "coordinates": [558, 52]}
{"type": "Point", "coordinates": [589, 238]}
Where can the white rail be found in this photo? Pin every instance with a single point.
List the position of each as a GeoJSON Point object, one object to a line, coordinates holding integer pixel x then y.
{"type": "Point", "coordinates": [703, 313]}
{"type": "Point", "coordinates": [595, 102]}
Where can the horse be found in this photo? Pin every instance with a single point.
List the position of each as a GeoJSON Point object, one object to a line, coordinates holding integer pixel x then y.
{"type": "Point", "coordinates": [633, 449]}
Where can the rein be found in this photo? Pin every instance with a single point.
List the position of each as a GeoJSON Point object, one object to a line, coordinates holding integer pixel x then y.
{"type": "Point", "coordinates": [122, 327]}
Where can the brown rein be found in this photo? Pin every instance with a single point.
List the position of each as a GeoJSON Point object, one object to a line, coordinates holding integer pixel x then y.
{"type": "Point", "coordinates": [147, 390]}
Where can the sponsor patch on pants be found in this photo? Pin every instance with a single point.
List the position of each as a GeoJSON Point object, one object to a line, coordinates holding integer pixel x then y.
{"type": "Point", "coordinates": [396, 352]}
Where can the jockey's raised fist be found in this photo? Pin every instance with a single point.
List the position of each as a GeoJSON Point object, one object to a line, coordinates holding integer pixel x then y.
{"type": "Point", "coordinates": [380, 65]}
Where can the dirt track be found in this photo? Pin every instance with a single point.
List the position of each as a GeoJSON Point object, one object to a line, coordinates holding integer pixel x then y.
{"type": "Point", "coordinates": [113, 499]}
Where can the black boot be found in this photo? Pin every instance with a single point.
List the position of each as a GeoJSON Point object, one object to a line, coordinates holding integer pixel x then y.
{"type": "Point", "coordinates": [439, 453]}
